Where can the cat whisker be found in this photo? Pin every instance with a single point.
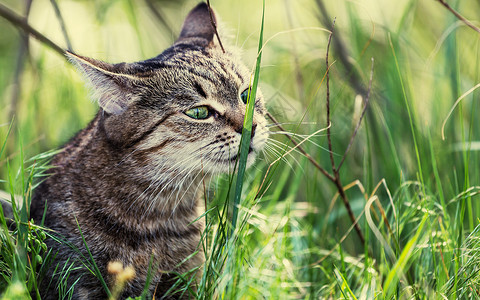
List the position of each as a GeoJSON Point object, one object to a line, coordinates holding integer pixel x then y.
{"type": "Point", "coordinates": [289, 123]}
{"type": "Point", "coordinates": [293, 134]}
{"type": "Point", "coordinates": [157, 182]}
{"type": "Point", "coordinates": [280, 152]}
{"type": "Point", "coordinates": [277, 154]}
{"type": "Point", "coordinates": [266, 155]}
{"type": "Point", "coordinates": [158, 172]}
{"type": "Point", "coordinates": [187, 175]}
{"type": "Point", "coordinates": [282, 146]}
{"type": "Point", "coordinates": [177, 202]}
{"type": "Point", "coordinates": [299, 137]}
{"type": "Point", "coordinates": [184, 174]}
{"type": "Point", "coordinates": [126, 157]}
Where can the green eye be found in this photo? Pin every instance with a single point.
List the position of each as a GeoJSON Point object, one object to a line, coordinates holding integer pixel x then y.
{"type": "Point", "coordinates": [244, 95]}
{"type": "Point", "coordinates": [199, 113]}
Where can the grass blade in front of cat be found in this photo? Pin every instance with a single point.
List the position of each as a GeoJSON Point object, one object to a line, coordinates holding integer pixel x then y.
{"type": "Point", "coordinates": [96, 270]}
{"type": "Point", "coordinates": [247, 128]}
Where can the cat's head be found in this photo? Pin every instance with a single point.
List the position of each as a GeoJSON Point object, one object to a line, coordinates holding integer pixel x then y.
{"type": "Point", "coordinates": [183, 110]}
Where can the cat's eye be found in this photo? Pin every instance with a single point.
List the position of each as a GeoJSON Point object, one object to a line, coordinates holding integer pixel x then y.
{"type": "Point", "coordinates": [199, 112]}
{"type": "Point", "coordinates": [244, 95]}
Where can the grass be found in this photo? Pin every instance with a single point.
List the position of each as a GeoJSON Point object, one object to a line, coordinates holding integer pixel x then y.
{"type": "Point", "coordinates": [247, 127]}
{"type": "Point", "coordinates": [414, 193]}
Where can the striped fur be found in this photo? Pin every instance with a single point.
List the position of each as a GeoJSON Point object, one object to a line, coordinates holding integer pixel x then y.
{"type": "Point", "coordinates": [131, 177]}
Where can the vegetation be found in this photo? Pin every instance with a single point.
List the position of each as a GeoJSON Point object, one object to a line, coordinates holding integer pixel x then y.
{"type": "Point", "coordinates": [407, 172]}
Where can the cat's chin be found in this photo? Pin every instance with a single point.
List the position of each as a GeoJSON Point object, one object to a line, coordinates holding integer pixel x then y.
{"type": "Point", "coordinates": [228, 165]}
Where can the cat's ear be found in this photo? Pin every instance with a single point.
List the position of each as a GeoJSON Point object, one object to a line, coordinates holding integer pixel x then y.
{"type": "Point", "coordinates": [111, 87]}
{"type": "Point", "coordinates": [197, 27]}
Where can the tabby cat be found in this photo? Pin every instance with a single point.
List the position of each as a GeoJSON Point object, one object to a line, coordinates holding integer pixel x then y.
{"type": "Point", "coordinates": [130, 180]}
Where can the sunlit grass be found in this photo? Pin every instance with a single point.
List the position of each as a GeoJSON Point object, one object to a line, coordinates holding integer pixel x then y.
{"type": "Point", "coordinates": [415, 193]}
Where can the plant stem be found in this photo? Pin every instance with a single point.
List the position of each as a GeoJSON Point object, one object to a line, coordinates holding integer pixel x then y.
{"type": "Point", "coordinates": [214, 25]}
{"type": "Point", "coordinates": [22, 23]}
{"type": "Point", "coordinates": [459, 16]}
{"type": "Point", "coordinates": [21, 58]}
{"type": "Point", "coordinates": [336, 173]}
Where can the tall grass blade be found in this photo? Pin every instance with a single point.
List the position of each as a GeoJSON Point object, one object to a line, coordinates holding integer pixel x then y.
{"type": "Point", "coordinates": [247, 127]}
{"type": "Point", "coordinates": [398, 269]}
{"type": "Point", "coordinates": [95, 270]}
{"type": "Point", "coordinates": [6, 138]}
{"type": "Point", "coordinates": [410, 114]}
{"type": "Point", "coordinates": [344, 286]}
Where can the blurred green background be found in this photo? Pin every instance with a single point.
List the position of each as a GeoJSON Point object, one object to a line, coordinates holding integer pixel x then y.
{"type": "Point", "coordinates": [436, 53]}
{"type": "Point", "coordinates": [424, 60]}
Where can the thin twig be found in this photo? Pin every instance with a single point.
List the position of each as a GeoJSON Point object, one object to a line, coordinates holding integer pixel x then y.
{"type": "Point", "coordinates": [336, 177]}
{"type": "Point", "coordinates": [329, 138]}
{"type": "Point", "coordinates": [365, 103]}
{"type": "Point", "coordinates": [348, 207]}
{"type": "Point", "coordinates": [22, 52]}
{"type": "Point", "coordinates": [336, 174]}
{"type": "Point", "coordinates": [62, 24]}
{"type": "Point", "coordinates": [322, 170]}
{"type": "Point", "coordinates": [459, 16]}
{"type": "Point", "coordinates": [22, 23]}
{"type": "Point", "coordinates": [342, 53]}
{"type": "Point", "coordinates": [212, 19]}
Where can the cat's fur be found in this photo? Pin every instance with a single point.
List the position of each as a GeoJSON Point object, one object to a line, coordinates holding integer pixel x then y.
{"type": "Point", "coordinates": [131, 177]}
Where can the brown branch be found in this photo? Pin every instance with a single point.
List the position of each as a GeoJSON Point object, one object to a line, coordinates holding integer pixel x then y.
{"type": "Point", "coordinates": [21, 55]}
{"type": "Point", "coordinates": [459, 16]}
{"type": "Point", "coordinates": [336, 177]}
{"type": "Point", "coordinates": [360, 120]}
{"type": "Point", "coordinates": [343, 55]}
{"type": "Point", "coordinates": [329, 138]}
{"type": "Point", "coordinates": [344, 198]}
{"type": "Point", "coordinates": [337, 181]}
{"type": "Point", "coordinates": [22, 23]}
{"type": "Point", "coordinates": [212, 19]}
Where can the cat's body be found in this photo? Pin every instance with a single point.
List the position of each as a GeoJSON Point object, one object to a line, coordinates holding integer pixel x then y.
{"type": "Point", "coordinates": [131, 178]}
{"type": "Point", "coordinates": [96, 185]}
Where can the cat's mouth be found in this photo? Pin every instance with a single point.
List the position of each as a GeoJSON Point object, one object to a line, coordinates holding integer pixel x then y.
{"type": "Point", "coordinates": [235, 157]}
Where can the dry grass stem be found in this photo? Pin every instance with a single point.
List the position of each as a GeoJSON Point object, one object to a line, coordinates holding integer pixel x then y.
{"type": "Point", "coordinates": [459, 16]}
{"type": "Point", "coordinates": [21, 22]}
{"type": "Point", "coordinates": [214, 25]}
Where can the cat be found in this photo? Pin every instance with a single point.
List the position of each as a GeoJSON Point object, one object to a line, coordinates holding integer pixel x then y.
{"type": "Point", "coordinates": [130, 181]}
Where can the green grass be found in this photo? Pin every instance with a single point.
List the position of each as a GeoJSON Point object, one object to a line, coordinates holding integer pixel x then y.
{"type": "Point", "coordinates": [247, 128]}
{"type": "Point", "coordinates": [415, 193]}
